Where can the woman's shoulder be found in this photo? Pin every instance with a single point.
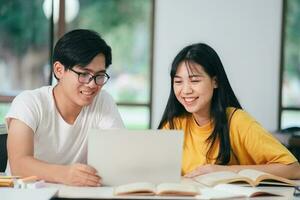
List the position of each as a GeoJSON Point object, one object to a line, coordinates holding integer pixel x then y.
{"type": "Point", "coordinates": [238, 114]}
{"type": "Point", "coordinates": [239, 120]}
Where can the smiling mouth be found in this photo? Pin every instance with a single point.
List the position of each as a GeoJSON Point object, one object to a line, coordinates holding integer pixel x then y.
{"type": "Point", "coordinates": [189, 100]}
{"type": "Point", "coordinates": [86, 93]}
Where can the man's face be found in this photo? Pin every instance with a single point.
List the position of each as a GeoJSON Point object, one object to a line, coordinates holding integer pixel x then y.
{"type": "Point", "coordinates": [82, 94]}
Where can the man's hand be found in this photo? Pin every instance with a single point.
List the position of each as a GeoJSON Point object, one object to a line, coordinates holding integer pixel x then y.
{"type": "Point", "coordinates": [80, 175]}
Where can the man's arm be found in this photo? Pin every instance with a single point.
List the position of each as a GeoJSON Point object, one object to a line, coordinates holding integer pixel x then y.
{"type": "Point", "coordinates": [20, 146]}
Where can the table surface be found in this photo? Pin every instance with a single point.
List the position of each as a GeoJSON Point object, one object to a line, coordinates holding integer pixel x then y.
{"type": "Point", "coordinates": [105, 193]}
{"type": "Point", "coordinates": [57, 191]}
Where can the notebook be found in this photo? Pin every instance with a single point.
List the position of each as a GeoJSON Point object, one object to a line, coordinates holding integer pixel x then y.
{"type": "Point", "coordinates": [127, 156]}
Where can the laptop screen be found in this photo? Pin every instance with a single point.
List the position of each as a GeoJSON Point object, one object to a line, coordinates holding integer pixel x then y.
{"type": "Point", "coordinates": [128, 156]}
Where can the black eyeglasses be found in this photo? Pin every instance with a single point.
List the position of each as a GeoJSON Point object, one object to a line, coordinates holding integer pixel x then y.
{"type": "Point", "coordinates": [297, 191]}
{"type": "Point", "coordinates": [84, 77]}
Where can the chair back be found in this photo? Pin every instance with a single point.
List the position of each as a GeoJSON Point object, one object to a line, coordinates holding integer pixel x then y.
{"type": "Point", "coordinates": [3, 149]}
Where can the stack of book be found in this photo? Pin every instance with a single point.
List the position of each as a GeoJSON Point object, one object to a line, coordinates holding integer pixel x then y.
{"type": "Point", "coordinates": [22, 183]}
{"type": "Point", "coordinates": [7, 181]}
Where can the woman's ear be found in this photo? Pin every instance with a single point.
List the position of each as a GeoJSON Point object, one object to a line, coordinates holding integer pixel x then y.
{"type": "Point", "coordinates": [215, 82]}
{"type": "Point", "coordinates": [58, 69]}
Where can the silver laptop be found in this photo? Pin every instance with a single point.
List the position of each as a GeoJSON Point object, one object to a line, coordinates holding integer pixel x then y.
{"type": "Point", "coordinates": [126, 156]}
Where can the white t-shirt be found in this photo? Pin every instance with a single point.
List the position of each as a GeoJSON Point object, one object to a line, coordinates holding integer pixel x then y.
{"type": "Point", "coordinates": [56, 141]}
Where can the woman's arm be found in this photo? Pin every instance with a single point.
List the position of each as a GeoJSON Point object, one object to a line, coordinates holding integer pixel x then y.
{"type": "Point", "coordinates": [291, 171]}
{"type": "Point", "coordinates": [20, 148]}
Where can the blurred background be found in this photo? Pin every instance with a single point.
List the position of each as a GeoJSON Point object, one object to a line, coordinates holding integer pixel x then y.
{"type": "Point", "coordinates": [258, 42]}
{"type": "Point", "coordinates": [29, 30]}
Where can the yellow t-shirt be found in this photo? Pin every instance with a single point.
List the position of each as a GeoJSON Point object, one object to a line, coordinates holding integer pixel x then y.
{"type": "Point", "coordinates": [250, 143]}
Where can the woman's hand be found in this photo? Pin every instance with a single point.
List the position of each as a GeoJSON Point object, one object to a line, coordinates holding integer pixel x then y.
{"type": "Point", "coordinates": [80, 175]}
{"type": "Point", "coordinates": [205, 169]}
{"type": "Point", "coordinates": [290, 171]}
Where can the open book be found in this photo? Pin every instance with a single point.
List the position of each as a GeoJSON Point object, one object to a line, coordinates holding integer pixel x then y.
{"type": "Point", "coordinates": [250, 176]}
{"type": "Point", "coordinates": [149, 189]}
{"type": "Point", "coordinates": [229, 191]}
{"type": "Point", "coordinates": [221, 191]}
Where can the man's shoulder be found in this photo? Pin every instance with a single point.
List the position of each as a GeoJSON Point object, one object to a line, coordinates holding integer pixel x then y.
{"type": "Point", "coordinates": [29, 106]}
{"type": "Point", "coordinates": [104, 94]}
{"type": "Point", "coordinates": [39, 94]}
{"type": "Point", "coordinates": [101, 101]}
{"type": "Point", "coordinates": [104, 97]}
{"type": "Point", "coordinates": [38, 91]}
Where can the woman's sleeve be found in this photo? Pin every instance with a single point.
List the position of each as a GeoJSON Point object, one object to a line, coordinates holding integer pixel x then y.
{"type": "Point", "coordinates": [256, 145]}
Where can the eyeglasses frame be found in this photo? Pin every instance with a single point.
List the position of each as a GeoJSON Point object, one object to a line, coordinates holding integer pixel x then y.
{"type": "Point", "coordinates": [92, 77]}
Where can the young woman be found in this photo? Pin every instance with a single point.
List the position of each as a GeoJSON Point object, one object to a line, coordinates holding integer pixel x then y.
{"type": "Point", "coordinates": [219, 134]}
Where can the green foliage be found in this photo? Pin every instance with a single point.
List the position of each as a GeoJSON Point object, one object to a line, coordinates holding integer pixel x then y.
{"type": "Point", "coordinates": [125, 25]}
{"type": "Point", "coordinates": [22, 24]}
{"type": "Point", "coordinates": [135, 117]}
{"type": "Point", "coordinates": [3, 110]}
{"type": "Point", "coordinates": [112, 14]}
{"type": "Point", "coordinates": [127, 95]}
{"type": "Point", "coordinates": [120, 22]}
{"type": "Point", "coordinates": [292, 40]}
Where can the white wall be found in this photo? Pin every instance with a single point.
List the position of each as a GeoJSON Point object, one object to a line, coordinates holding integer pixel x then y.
{"type": "Point", "coordinates": [246, 35]}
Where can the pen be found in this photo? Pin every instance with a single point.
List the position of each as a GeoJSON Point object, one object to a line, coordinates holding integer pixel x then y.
{"type": "Point", "coordinates": [9, 177]}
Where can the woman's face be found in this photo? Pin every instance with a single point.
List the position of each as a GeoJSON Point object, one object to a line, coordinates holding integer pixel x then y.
{"type": "Point", "coordinates": [194, 88]}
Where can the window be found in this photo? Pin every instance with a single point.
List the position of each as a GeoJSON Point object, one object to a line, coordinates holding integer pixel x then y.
{"type": "Point", "coordinates": [125, 25]}
{"type": "Point", "coordinates": [290, 76]}
{"type": "Point", "coordinates": [24, 49]}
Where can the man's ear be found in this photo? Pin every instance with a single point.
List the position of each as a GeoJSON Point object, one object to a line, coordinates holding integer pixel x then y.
{"type": "Point", "coordinates": [58, 69]}
{"type": "Point", "coordinates": [215, 82]}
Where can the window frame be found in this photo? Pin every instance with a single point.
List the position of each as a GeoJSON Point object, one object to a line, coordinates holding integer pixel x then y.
{"type": "Point", "coordinates": [282, 108]}
{"type": "Point", "coordinates": [61, 30]}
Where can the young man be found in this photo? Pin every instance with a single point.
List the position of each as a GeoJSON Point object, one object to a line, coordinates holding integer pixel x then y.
{"type": "Point", "coordinates": [47, 127]}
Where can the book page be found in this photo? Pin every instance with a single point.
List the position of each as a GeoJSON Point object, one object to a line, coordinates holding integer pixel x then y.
{"type": "Point", "coordinates": [242, 191]}
{"type": "Point", "coordinates": [251, 173]}
{"type": "Point", "coordinates": [79, 192]}
{"type": "Point", "coordinates": [176, 189]}
{"type": "Point", "coordinates": [265, 178]}
{"type": "Point", "coordinates": [140, 188]}
{"type": "Point", "coordinates": [214, 178]}
{"type": "Point", "coordinates": [211, 193]}
{"type": "Point", "coordinates": [191, 181]}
